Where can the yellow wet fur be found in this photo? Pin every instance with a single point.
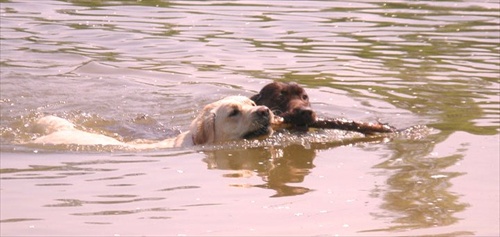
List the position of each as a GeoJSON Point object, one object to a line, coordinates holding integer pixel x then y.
{"type": "Point", "coordinates": [231, 118]}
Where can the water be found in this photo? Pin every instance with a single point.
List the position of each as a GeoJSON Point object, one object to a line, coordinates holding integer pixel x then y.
{"type": "Point", "coordinates": [142, 69]}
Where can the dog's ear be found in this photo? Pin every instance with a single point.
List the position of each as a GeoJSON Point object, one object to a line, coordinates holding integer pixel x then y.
{"type": "Point", "coordinates": [256, 98]}
{"type": "Point", "coordinates": [203, 127]}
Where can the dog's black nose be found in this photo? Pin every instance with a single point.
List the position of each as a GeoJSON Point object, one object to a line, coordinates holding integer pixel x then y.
{"type": "Point", "coordinates": [263, 111]}
{"type": "Point", "coordinates": [304, 115]}
{"type": "Point", "coordinates": [306, 112]}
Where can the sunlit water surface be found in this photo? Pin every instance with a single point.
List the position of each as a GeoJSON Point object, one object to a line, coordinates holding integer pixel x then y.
{"type": "Point", "coordinates": [142, 70]}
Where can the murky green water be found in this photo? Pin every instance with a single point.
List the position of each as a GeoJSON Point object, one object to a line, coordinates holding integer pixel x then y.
{"type": "Point", "coordinates": [142, 69]}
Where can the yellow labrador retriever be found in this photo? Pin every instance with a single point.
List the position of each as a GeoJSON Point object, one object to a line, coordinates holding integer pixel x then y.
{"type": "Point", "coordinates": [231, 118]}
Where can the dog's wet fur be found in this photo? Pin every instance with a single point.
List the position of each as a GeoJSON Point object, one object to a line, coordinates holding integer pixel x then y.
{"type": "Point", "coordinates": [288, 100]}
{"type": "Point", "coordinates": [229, 119]}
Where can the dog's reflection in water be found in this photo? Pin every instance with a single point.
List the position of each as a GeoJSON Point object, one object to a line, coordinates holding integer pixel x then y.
{"type": "Point", "coordinates": [282, 169]}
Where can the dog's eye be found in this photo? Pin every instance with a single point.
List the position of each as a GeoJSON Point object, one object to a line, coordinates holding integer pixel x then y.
{"type": "Point", "coordinates": [305, 97]}
{"type": "Point", "coordinates": [234, 112]}
{"type": "Point", "coordinates": [253, 104]}
{"type": "Point", "coordinates": [282, 95]}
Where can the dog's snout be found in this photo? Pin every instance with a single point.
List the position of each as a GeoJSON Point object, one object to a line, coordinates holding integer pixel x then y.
{"type": "Point", "coordinates": [263, 111]}
{"type": "Point", "coordinates": [307, 112]}
{"type": "Point", "coordinates": [304, 115]}
{"type": "Point", "coordinates": [304, 111]}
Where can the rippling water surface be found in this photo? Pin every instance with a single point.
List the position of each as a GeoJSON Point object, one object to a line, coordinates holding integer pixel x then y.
{"type": "Point", "coordinates": [142, 70]}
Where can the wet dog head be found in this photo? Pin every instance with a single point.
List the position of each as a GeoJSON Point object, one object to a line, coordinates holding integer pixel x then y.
{"type": "Point", "coordinates": [288, 100]}
{"type": "Point", "coordinates": [232, 118]}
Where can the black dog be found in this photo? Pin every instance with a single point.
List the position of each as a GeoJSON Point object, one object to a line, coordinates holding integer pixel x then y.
{"type": "Point", "coordinates": [288, 100]}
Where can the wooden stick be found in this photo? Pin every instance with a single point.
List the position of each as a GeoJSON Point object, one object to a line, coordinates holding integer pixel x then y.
{"type": "Point", "coordinates": [341, 124]}
{"type": "Point", "coordinates": [349, 125]}
{"type": "Point", "coordinates": [279, 123]}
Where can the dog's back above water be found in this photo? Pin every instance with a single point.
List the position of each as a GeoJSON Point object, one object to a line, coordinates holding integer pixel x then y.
{"type": "Point", "coordinates": [231, 118]}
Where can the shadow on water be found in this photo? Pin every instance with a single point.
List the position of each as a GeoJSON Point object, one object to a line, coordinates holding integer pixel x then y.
{"type": "Point", "coordinates": [417, 193]}
{"type": "Point", "coordinates": [282, 169]}
{"type": "Point", "coordinates": [418, 188]}
{"type": "Point", "coordinates": [283, 164]}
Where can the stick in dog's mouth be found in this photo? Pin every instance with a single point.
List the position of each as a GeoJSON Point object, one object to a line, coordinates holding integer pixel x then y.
{"type": "Point", "coordinates": [279, 123]}
{"type": "Point", "coordinates": [265, 129]}
{"type": "Point", "coordinates": [342, 124]}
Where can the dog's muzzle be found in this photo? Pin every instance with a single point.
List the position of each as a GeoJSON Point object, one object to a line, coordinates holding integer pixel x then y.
{"type": "Point", "coordinates": [263, 118]}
